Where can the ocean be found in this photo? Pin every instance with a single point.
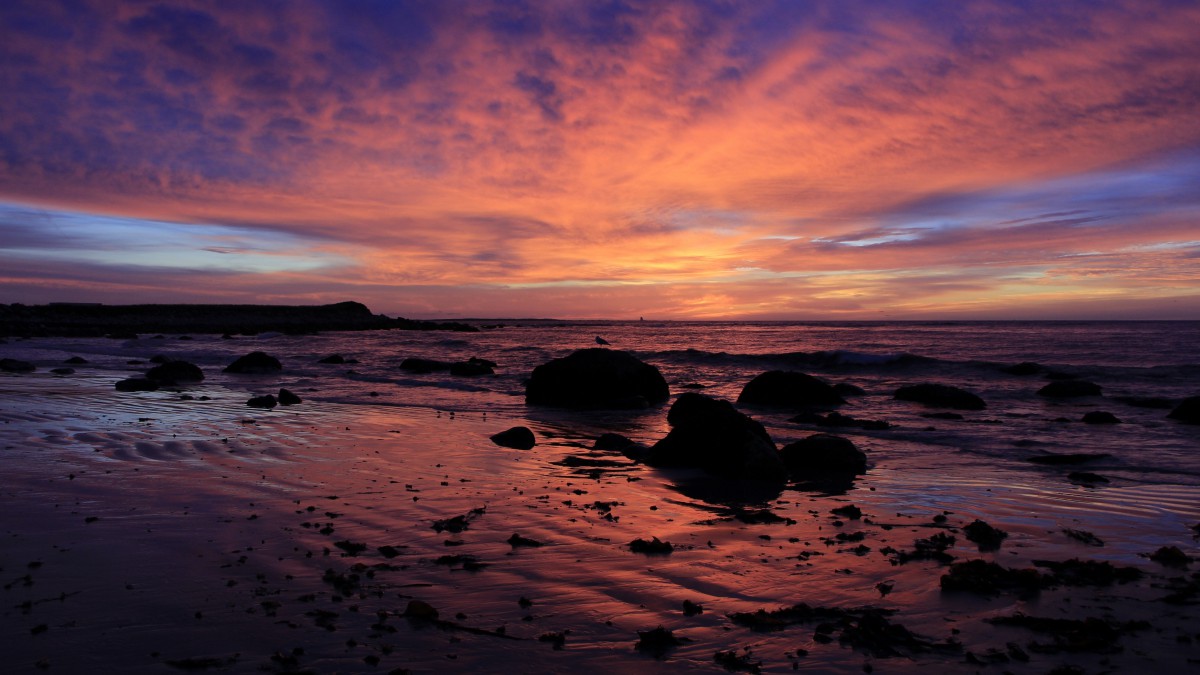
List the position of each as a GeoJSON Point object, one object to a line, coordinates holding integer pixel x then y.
{"type": "Point", "coordinates": [388, 454]}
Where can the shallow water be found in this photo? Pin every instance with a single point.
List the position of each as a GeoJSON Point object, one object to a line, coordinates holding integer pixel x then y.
{"type": "Point", "coordinates": [210, 515]}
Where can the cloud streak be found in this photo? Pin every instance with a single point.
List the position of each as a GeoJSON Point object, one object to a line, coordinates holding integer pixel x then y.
{"type": "Point", "coordinates": [626, 158]}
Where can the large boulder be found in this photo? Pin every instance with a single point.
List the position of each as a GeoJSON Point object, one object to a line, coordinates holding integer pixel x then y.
{"type": "Point", "coordinates": [176, 371]}
{"type": "Point", "coordinates": [596, 378]}
{"type": "Point", "coordinates": [940, 396]}
{"type": "Point", "coordinates": [1069, 389]}
{"type": "Point", "coordinates": [824, 454]}
{"type": "Point", "coordinates": [16, 366]}
{"type": "Point", "coordinates": [520, 438]}
{"type": "Point", "coordinates": [788, 388]}
{"type": "Point", "coordinates": [255, 363]}
{"type": "Point", "coordinates": [711, 434]}
{"type": "Point", "coordinates": [1187, 412]}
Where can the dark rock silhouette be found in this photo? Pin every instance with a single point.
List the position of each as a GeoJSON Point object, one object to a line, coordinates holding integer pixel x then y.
{"type": "Point", "coordinates": [254, 363]}
{"type": "Point", "coordinates": [521, 438]}
{"type": "Point", "coordinates": [788, 388]}
{"type": "Point", "coordinates": [16, 366]}
{"type": "Point", "coordinates": [336, 359]}
{"type": "Point", "coordinates": [1069, 389]}
{"type": "Point", "coordinates": [76, 361]}
{"type": "Point", "coordinates": [63, 371]}
{"type": "Point", "coordinates": [176, 371]}
{"type": "Point", "coordinates": [1100, 417]}
{"type": "Point", "coordinates": [824, 453]}
{"type": "Point", "coordinates": [940, 396]}
{"type": "Point", "coordinates": [267, 402]}
{"type": "Point", "coordinates": [601, 341]}
{"type": "Point", "coordinates": [613, 442]}
{"type": "Point", "coordinates": [711, 434]}
{"type": "Point", "coordinates": [472, 367]}
{"type": "Point", "coordinates": [137, 384]}
{"type": "Point", "coordinates": [1023, 368]}
{"type": "Point", "coordinates": [596, 378]}
{"type": "Point", "coordinates": [1187, 412]}
{"type": "Point", "coordinates": [288, 398]}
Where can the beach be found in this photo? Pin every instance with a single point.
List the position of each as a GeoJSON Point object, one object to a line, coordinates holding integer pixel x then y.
{"type": "Point", "coordinates": [376, 527]}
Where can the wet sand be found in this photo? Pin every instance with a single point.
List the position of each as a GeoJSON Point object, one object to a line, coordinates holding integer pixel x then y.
{"type": "Point", "coordinates": [145, 534]}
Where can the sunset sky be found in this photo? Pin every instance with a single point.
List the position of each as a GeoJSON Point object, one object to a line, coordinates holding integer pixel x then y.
{"type": "Point", "coordinates": [803, 160]}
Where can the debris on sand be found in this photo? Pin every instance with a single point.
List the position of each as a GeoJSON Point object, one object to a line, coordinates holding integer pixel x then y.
{"type": "Point", "coordinates": [1083, 536]}
{"type": "Point", "coordinates": [458, 523]}
{"type": "Point", "coordinates": [733, 662]}
{"type": "Point", "coordinates": [1093, 635]}
{"type": "Point", "coordinates": [986, 537]}
{"type": "Point", "coordinates": [654, 546]}
{"type": "Point", "coordinates": [657, 641]}
{"type": "Point", "coordinates": [865, 629]}
{"type": "Point", "coordinates": [517, 540]}
{"type": "Point", "coordinates": [988, 578]}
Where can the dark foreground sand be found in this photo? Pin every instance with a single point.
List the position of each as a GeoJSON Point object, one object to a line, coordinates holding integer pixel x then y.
{"type": "Point", "coordinates": [144, 534]}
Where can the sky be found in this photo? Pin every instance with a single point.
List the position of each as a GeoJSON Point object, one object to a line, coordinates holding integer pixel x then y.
{"type": "Point", "coordinates": [836, 160]}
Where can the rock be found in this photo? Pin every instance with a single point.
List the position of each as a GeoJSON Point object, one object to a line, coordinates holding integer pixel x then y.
{"type": "Point", "coordinates": [16, 366]}
{"type": "Point", "coordinates": [336, 359]}
{"type": "Point", "coordinates": [1069, 389]}
{"type": "Point", "coordinates": [1187, 412]}
{"type": "Point", "coordinates": [76, 361]}
{"type": "Point", "coordinates": [254, 363]}
{"type": "Point", "coordinates": [160, 358]}
{"type": "Point", "coordinates": [176, 371]}
{"type": "Point", "coordinates": [1170, 556]}
{"type": "Point", "coordinates": [472, 367]}
{"type": "Point", "coordinates": [288, 398]}
{"type": "Point", "coordinates": [267, 402]}
{"type": "Point", "coordinates": [521, 438]}
{"type": "Point", "coordinates": [653, 546]}
{"type": "Point", "coordinates": [711, 434]}
{"type": "Point", "coordinates": [596, 378]}
{"type": "Point", "coordinates": [1023, 368]}
{"type": "Point", "coordinates": [137, 384]}
{"type": "Point", "coordinates": [847, 389]}
{"type": "Point", "coordinates": [63, 371]}
{"type": "Point", "coordinates": [941, 396]}
{"type": "Point", "coordinates": [419, 609]}
{"type": "Point", "coordinates": [824, 453]}
{"type": "Point", "coordinates": [788, 388]}
{"type": "Point", "coordinates": [517, 540]}
{"type": "Point", "coordinates": [985, 536]}
{"type": "Point", "coordinates": [1086, 478]}
{"type": "Point", "coordinates": [1100, 417]}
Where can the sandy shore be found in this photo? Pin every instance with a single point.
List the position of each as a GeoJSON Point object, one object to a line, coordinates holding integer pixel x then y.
{"type": "Point", "coordinates": [145, 534]}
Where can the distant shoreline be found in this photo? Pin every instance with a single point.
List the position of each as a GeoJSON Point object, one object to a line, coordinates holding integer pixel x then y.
{"type": "Point", "coordinates": [98, 320]}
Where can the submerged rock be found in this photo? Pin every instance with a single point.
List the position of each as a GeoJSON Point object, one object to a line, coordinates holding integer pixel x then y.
{"type": "Point", "coordinates": [176, 371]}
{"type": "Point", "coordinates": [473, 367]}
{"type": "Point", "coordinates": [1187, 412]}
{"type": "Point", "coordinates": [596, 378]}
{"type": "Point", "coordinates": [1100, 417]}
{"type": "Point", "coordinates": [1069, 389]}
{"type": "Point", "coordinates": [711, 434]}
{"type": "Point", "coordinates": [1023, 368]}
{"type": "Point", "coordinates": [940, 396]}
{"type": "Point", "coordinates": [824, 453]}
{"type": "Point", "coordinates": [521, 438]}
{"type": "Point", "coordinates": [788, 388]}
{"type": "Point", "coordinates": [254, 363]}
